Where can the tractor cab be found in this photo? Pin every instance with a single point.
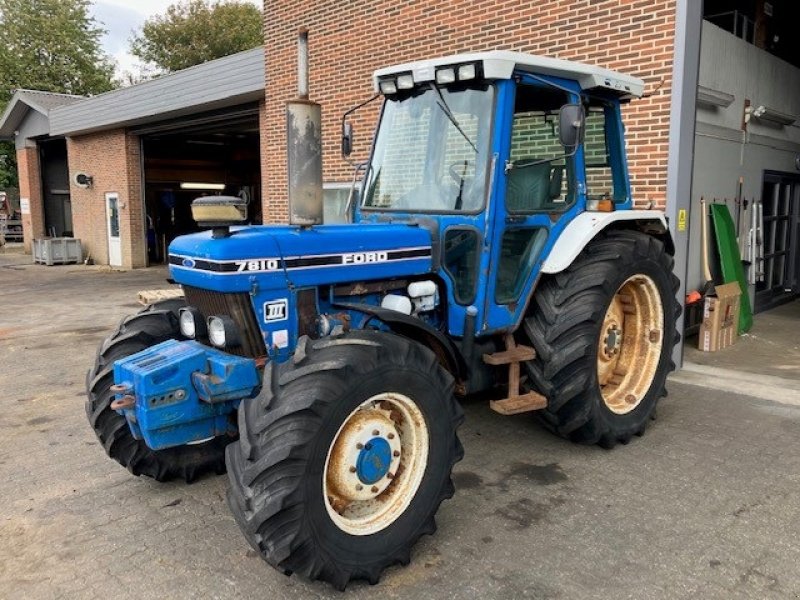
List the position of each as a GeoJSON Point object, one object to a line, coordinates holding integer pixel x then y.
{"type": "Point", "coordinates": [495, 153]}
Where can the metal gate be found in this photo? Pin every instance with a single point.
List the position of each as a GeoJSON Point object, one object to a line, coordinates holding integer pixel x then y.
{"type": "Point", "coordinates": [777, 266]}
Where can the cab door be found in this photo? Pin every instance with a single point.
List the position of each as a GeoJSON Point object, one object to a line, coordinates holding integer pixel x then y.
{"type": "Point", "coordinates": [538, 192]}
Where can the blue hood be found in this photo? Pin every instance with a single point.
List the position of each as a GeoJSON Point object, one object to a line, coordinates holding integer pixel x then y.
{"type": "Point", "coordinates": [276, 257]}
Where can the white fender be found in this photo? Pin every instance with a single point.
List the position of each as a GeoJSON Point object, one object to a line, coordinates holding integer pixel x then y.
{"type": "Point", "coordinates": [583, 228]}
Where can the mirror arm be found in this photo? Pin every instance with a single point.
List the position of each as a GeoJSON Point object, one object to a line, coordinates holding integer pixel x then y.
{"type": "Point", "coordinates": [346, 114]}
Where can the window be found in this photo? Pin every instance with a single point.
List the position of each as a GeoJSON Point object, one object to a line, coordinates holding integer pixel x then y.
{"type": "Point", "coordinates": [541, 177]}
{"type": "Point", "coordinates": [520, 250]}
{"type": "Point", "coordinates": [432, 151]}
{"type": "Point", "coordinates": [602, 180]}
{"type": "Point", "coordinates": [461, 247]}
{"type": "Point", "coordinates": [334, 202]}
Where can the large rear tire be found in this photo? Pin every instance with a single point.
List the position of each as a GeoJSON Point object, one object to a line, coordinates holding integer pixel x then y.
{"type": "Point", "coordinates": [603, 331]}
{"type": "Point", "coordinates": [345, 456]}
{"type": "Point", "coordinates": [153, 325]}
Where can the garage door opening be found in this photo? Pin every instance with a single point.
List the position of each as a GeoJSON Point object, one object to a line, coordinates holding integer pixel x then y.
{"type": "Point", "coordinates": [209, 155]}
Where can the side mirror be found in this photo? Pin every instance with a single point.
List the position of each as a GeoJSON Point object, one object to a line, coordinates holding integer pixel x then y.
{"type": "Point", "coordinates": [571, 121]}
{"type": "Point", "coordinates": [347, 139]}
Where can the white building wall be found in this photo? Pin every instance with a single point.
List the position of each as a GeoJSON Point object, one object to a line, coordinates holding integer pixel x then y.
{"type": "Point", "coordinates": [723, 152]}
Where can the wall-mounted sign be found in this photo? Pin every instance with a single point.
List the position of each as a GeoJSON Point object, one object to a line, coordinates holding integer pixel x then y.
{"type": "Point", "coordinates": [682, 219]}
{"type": "Point", "coordinates": [25, 206]}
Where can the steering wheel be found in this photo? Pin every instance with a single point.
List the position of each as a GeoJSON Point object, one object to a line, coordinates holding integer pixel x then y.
{"type": "Point", "coordinates": [455, 175]}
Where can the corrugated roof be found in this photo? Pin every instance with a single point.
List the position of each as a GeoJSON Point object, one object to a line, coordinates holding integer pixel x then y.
{"type": "Point", "coordinates": [220, 83]}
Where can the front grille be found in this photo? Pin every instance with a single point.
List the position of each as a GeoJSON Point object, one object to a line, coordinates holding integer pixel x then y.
{"type": "Point", "coordinates": [238, 307]}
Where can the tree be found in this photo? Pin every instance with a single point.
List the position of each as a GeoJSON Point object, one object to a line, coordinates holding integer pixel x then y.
{"type": "Point", "coordinates": [49, 45]}
{"type": "Point", "coordinates": [196, 31]}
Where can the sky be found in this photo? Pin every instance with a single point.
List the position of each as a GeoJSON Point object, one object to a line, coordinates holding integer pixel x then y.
{"type": "Point", "coordinates": [120, 18]}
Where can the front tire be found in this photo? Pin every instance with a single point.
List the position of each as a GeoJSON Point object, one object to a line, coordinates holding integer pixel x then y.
{"type": "Point", "coordinates": [153, 325]}
{"type": "Point", "coordinates": [603, 331]}
{"type": "Point", "coordinates": [345, 456]}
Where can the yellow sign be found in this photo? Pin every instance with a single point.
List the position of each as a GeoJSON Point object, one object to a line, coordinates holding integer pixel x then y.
{"type": "Point", "coordinates": [682, 219]}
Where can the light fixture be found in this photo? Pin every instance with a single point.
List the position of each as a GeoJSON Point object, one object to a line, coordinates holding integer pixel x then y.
{"type": "Point", "coordinates": [466, 72]}
{"type": "Point", "coordinates": [388, 87]}
{"type": "Point", "coordinates": [445, 75]}
{"type": "Point", "coordinates": [765, 113]}
{"type": "Point", "coordinates": [192, 323]}
{"type": "Point", "coordinates": [222, 332]}
{"type": "Point", "coordinates": [405, 81]}
{"type": "Point", "coordinates": [195, 185]}
{"type": "Point", "coordinates": [711, 97]}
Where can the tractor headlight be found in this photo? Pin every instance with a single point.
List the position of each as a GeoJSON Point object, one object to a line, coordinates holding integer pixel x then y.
{"type": "Point", "coordinates": [191, 323]}
{"type": "Point", "coordinates": [222, 332]}
{"type": "Point", "coordinates": [467, 72]}
{"type": "Point", "coordinates": [388, 87]}
{"type": "Point", "coordinates": [445, 75]}
{"type": "Point", "coordinates": [405, 81]}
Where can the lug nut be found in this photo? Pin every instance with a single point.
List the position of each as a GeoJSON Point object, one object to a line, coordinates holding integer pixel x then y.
{"type": "Point", "coordinates": [630, 399]}
{"type": "Point", "coordinates": [359, 445]}
{"type": "Point", "coordinates": [396, 453]}
{"type": "Point", "coordinates": [374, 489]}
{"type": "Point", "coordinates": [352, 469]}
{"type": "Point", "coordinates": [376, 432]}
{"type": "Point", "coordinates": [359, 487]}
{"type": "Point", "coordinates": [390, 475]}
{"type": "Point", "coordinates": [390, 436]}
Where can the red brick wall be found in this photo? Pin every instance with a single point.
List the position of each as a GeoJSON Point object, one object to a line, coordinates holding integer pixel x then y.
{"type": "Point", "coordinates": [349, 40]}
{"type": "Point", "coordinates": [112, 158]}
{"type": "Point", "coordinates": [30, 187]}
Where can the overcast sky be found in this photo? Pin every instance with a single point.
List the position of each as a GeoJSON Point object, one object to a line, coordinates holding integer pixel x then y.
{"type": "Point", "coordinates": [121, 18]}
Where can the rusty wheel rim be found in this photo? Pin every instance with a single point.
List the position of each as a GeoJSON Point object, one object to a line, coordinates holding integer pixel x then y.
{"type": "Point", "coordinates": [389, 431]}
{"type": "Point", "coordinates": [630, 343]}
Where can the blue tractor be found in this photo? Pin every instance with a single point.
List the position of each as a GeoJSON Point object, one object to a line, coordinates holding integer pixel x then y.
{"type": "Point", "coordinates": [493, 245]}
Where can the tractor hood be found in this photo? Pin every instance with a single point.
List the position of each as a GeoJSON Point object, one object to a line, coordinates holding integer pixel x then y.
{"type": "Point", "coordinates": [274, 257]}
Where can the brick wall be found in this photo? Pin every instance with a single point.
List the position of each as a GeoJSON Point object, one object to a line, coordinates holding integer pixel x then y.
{"type": "Point", "coordinates": [112, 158]}
{"type": "Point", "coordinates": [30, 187]}
{"type": "Point", "coordinates": [349, 40]}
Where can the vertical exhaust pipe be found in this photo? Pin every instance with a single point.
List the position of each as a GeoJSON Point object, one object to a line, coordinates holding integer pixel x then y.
{"type": "Point", "coordinates": [304, 147]}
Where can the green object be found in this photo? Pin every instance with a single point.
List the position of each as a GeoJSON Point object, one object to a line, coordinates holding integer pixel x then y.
{"type": "Point", "coordinates": [731, 261]}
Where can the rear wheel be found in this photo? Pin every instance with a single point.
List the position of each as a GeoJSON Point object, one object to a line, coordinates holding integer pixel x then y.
{"type": "Point", "coordinates": [603, 331]}
{"type": "Point", "coordinates": [345, 456]}
{"type": "Point", "coordinates": [153, 325]}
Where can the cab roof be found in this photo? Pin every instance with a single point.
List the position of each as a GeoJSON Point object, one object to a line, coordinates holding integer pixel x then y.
{"type": "Point", "coordinates": [501, 64]}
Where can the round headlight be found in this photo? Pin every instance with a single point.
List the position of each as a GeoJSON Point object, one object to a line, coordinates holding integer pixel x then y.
{"type": "Point", "coordinates": [216, 332]}
{"type": "Point", "coordinates": [191, 323]}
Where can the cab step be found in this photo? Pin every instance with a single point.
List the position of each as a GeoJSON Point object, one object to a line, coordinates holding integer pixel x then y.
{"type": "Point", "coordinates": [515, 403]}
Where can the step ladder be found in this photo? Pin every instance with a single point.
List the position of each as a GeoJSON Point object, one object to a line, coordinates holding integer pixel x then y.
{"type": "Point", "coordinates": [515, 403]}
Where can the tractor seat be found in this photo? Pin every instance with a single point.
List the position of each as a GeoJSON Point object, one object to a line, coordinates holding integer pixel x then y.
{"type": "Point", "coordinates": [532, 187]}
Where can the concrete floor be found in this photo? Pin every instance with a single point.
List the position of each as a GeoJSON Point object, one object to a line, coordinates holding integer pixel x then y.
{"type": "Point", "coordinates": [706, 505]}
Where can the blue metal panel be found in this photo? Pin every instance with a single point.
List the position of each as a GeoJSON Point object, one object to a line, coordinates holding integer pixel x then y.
{"type": "Point", "coordinates": [498, 317]}
{"type": "Point", "coordinates": [183, 392]}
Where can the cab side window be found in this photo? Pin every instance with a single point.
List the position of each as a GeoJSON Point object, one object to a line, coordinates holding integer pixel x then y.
{"type": "Point", "coordinates": [541, 179]}
{"type": "Point", "coordinates": [604, 180]}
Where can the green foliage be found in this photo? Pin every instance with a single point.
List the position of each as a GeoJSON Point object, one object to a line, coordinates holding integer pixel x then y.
{"type": "Point", "coordinates": [8, 166]}
{"type": "Point", "coordinates": [51, 45]}
{"type": "Point", "coordinates": [196, 31]}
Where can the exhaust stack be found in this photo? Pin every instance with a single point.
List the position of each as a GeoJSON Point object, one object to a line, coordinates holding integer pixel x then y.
{"type": "Point", "coordinates": [304, 147]}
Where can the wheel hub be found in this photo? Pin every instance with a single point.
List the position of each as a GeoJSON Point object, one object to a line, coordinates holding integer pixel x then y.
{"type": "Point", "coordinates": [630, 344]}
{"type": "Point", "coordinates": [375, 463]}
{"type": "Point", "coordinates": [365, 457]}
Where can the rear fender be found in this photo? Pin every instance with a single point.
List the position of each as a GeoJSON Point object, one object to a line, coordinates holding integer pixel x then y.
{"type": "Point", "coordinates": [586, 226]}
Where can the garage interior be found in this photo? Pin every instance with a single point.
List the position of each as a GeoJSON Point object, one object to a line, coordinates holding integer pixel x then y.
{"type": "Point", "coordinates": [215, 153]}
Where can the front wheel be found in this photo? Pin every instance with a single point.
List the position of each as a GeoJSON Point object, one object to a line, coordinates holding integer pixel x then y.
{"type": "Point", "coordinates": [604, 331]}
{"type": "Point", "coordinates": [345, 456]}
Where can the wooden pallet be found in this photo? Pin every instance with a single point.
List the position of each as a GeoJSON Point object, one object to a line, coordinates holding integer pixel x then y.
{"type": "Point", "coordinates": [146, 297]}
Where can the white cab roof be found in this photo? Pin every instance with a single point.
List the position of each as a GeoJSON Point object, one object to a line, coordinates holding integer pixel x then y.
{"type": "Point", "coordinates": [501, 64]}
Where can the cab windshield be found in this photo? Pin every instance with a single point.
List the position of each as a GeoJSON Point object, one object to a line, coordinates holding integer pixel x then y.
{"type": "Point", "coordinates": [432, 151]}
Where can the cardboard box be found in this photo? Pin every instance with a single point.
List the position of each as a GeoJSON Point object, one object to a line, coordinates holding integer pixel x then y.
{"type": "Point", "coordinates": [720, 318]}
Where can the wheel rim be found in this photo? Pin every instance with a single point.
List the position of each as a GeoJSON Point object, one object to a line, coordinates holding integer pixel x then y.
{"type": "Point", "coordinates": [375, 464]}
{"type": "Point", "coordinates": [630, 343]}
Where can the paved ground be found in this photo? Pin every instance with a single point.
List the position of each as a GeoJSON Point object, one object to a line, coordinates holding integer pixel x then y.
{"type": "Point", "coordinates": [706, 505]}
